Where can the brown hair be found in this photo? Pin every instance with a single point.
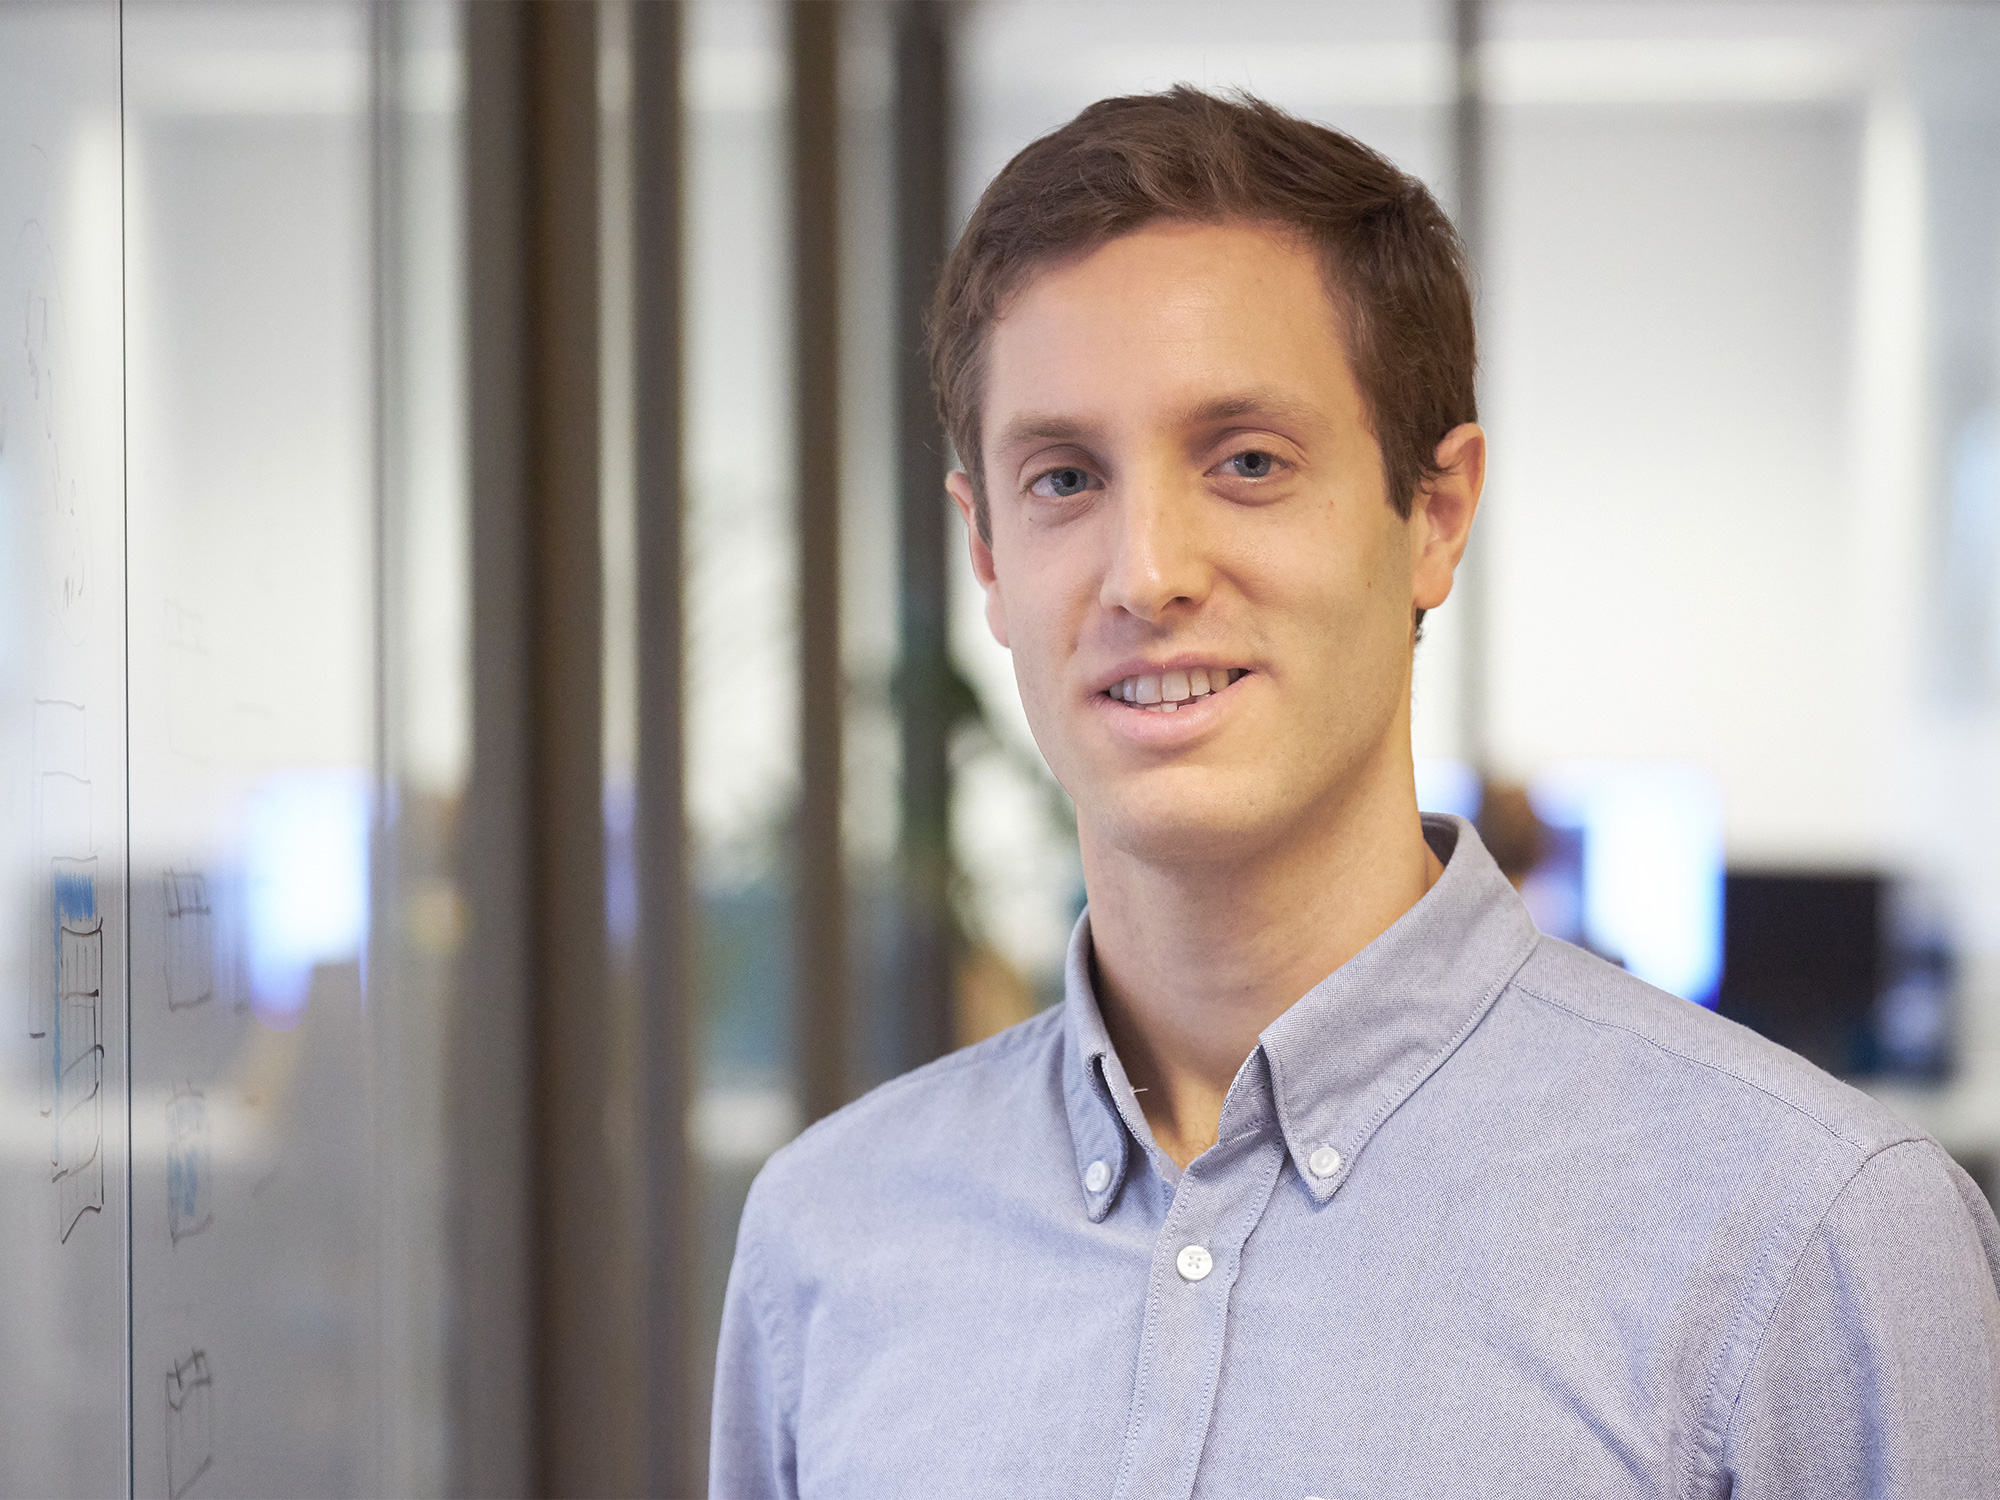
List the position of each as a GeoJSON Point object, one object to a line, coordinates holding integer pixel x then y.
{"type": "Point", "coordinates": [1395, 269]}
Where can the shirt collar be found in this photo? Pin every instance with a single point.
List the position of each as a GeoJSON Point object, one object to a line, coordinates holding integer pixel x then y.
{"type": "Point", "coordinates": [1100, 1126]}
{"type": "Point", "coordinates": [1346, 1055]}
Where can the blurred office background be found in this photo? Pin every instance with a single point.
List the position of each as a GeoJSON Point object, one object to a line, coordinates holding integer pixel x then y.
{"type": "Point", "coordinates": [498, 729]}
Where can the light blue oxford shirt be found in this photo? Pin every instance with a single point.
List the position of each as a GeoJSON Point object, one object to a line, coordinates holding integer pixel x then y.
{"type": "Point", "coordinates": [1486, 1216]}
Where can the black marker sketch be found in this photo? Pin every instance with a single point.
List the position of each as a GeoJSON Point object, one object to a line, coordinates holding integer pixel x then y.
{"type": "Point", "coordinates": [67, 966]}
{"type": "Point", "coordinates": [77, 1043]}
{"type": "Point", "coordinates": [188, 1172]}
{"type": "Point", "coordinates": [62, 828]}
{"type": "Point", "coordinates": [190, 940]}
{"type": "Point", "coordinates": [190, 1423]}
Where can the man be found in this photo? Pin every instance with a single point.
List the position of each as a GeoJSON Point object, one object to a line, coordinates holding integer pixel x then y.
{"type": "Point", "coordinates": [1331, 1177]}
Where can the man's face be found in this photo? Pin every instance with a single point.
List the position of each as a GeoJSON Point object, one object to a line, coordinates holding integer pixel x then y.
{"type": "Point", "coordinates": [1187, 506]}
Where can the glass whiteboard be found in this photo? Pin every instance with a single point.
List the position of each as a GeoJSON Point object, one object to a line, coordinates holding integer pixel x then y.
{"type": "Point", "coordinates": [63, 953]}
{"type": "Point", "coordinates": [228, 933]}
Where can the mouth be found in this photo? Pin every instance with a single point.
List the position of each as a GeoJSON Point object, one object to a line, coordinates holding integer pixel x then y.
{"type": "Point", "coordinates": [1168, 692]}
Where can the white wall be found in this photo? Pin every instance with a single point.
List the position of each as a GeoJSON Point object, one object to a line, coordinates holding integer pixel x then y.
{"type": "Point", "coordinates": [1722, 427]}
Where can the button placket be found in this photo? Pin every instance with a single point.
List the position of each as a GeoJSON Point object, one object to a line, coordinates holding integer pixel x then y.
{"type": "Point", "coordinates": [1195, 1261]}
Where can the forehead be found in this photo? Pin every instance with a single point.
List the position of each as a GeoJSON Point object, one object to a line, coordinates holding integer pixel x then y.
{"type": "Point", "coordinates": [1169, 316]}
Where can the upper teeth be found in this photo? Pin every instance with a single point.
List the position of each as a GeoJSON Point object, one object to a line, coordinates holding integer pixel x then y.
{"type": "Point", "coordinates": [1163, 692]}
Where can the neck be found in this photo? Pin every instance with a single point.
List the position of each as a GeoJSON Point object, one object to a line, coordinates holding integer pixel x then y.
{"type": "Point", "coordinates": [1192, 962]}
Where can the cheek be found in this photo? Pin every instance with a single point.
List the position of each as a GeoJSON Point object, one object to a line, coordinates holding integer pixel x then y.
{"type": "Point", "coordinates": [1367, 575]}
{"type": "Point", "coordinates": [996, 619]}
{"type": "Point", "coordinates": [1021, 608]}
{"type": "Point", "coordinates": [1045, 597]}
{"type": "Point", "coordinates": [1040, 658]}
{"type": "Point", "coordinates": [1346, 615]}
{"type": "Point", "coordinates": [1042, 650]}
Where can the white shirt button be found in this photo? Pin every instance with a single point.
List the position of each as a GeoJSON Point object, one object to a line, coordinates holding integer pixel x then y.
{"type": "Point", "coordinates": [1194, 1262]}
{"type": "Point", "coordinates": [1097, 1177]}
{"type": "Point", "coordinates": [1324, 1162]}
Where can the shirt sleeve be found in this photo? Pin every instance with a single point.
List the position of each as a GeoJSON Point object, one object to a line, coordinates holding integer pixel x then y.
{"type": "Point", "coordinates": [752, 1453]}
{"type": "Point", "coordinates": [1878, 1374]}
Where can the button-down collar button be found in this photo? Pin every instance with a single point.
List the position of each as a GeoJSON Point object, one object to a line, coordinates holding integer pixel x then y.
{"type": "Point", "coordinates": [1097, 1177]}
{"type": "Point", "coordinates": [1194, 1262]}
{"type": "Point", "coordinates": [1324, 1162]}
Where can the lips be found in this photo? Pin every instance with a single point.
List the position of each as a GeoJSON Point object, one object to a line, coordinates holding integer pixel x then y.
{"type": "Point", "coordinates": [1165, 692]}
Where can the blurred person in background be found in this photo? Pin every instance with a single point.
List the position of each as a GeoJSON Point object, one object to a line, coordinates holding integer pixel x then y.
{"type": "Point", "coordinates": [1510, 830]}
{"type": "Point", "coordinates": [1331, 1176]}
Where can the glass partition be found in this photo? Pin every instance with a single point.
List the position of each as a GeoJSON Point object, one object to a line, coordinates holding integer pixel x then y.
{"type": "Point", "coordinates": [231, 483]}
{"type": "Point", "coordinates": [64, 1051]}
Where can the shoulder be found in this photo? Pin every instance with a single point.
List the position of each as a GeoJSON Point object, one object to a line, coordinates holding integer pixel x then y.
{"type": "Point", "coordinates": [930, 1106]}
{"type": "Point", "coordinates": [1678, 1055]}
{"type": "Point", "coordinates": [1890, 1310]}
{"type": "Point", "coordinates": [1812, 1234]}
{"type": "Point", "coordinates": [1908, 1240]}
{"type": "Point", "coordinates": [930, 1130]}
{"type": "Point", "coordinates": [1907, 1189]}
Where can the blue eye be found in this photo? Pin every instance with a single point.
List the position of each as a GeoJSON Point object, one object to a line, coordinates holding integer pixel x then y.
{"type": "Point", "coordinates": [1252, 465]}
{"type": "Point", "coordinates": [1062, 484]}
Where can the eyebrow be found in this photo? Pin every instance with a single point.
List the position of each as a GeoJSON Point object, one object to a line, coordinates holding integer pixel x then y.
{"type": "Point", "coordinates": [1042, 427]}
{"type": "Point", "coordinates": [1050, 427]}
{"type": "Point", "coordinates": [1253, 403]}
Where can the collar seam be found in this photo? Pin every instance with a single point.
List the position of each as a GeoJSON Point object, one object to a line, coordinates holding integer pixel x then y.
{"type": "Point", "coordinates": [1395, 1097]}
{"type": "Point", "coordinates": [1698, 1062]}
{"type": "Point", "coordinates": [1436, 1060]}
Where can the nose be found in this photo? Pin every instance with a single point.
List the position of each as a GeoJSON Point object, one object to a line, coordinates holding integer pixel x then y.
{"type": "Point", "coordinates": [1156, 562]}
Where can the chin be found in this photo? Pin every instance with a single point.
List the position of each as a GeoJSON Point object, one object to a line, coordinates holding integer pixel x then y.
{"type": "Point", "coordinates": [1164, 824]}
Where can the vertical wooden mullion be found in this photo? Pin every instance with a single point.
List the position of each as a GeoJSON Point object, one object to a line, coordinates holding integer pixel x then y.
{"type": "Point", "coordinates": [581, 1228]}
{"type": "Point", "coordinates": [1468, 138]}
{"type": "Point", "coordinates": [494, 1432]}
{"type": "Point", "coordinates": [668, 1227]}
{"type": "Point", "coordinates": [545, 1368]}
{"type": "Point", "coordinates": [387, 1081]}
{"type": "Point", "coordinates": [922, 183]}
{"type": "Point", "coordinates": [819, 909]}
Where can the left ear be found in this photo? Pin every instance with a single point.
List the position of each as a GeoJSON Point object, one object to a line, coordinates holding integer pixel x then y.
{"type": "Point", "coordinates": [1441, 516]}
